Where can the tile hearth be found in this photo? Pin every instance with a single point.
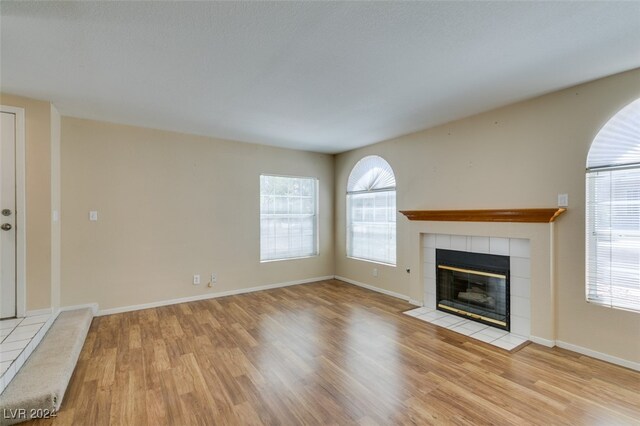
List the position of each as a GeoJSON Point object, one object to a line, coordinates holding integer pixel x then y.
{"type": "Point", "coordinates": [18, 339]}
{"type": "Point", "coordinates": [484, 333]}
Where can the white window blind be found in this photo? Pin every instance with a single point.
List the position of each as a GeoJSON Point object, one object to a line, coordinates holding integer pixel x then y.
{"type": "Point", "coordinates": [613, 213]}
{"type": "Point", "coordinates": [618, 142]}
{"type": "Point", "coordinates": [288, 217]}
{"type": "Point", "coordinates": [613, 238]}
{"type": "Point", "coordinates": [371, 211]}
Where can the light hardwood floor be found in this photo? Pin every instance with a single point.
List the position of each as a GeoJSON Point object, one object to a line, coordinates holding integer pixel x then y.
{"type": "Point", "coordinates": [327, 353]}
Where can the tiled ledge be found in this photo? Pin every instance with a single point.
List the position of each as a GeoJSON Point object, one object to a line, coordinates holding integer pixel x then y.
{"type": "Point", "coordinates": [484, 333]}
{"type": "Point", "coordinates": [18, 339]}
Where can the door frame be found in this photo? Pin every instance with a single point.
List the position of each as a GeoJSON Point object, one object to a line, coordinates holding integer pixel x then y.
{"type": "Point", "coordinates": [21, 215]}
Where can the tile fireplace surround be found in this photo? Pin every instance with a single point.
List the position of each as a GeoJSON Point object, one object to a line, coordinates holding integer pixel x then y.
{"type": "Point", "coordinates": [532, 267]}
{"type": "Point", "coordinates": [519, 252]}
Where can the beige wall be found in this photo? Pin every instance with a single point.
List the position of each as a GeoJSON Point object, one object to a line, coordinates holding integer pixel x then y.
{"type": "Point", "coordinates": [519, 156]}
{"type": "Point", "coordinates": [169, 206]}
{"type": "Point", "coordinates": [38, 198]}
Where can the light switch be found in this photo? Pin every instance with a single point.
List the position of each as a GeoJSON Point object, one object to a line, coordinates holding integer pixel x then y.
{"type": "Point", "coordinates": [563, 200]}
{"type": "Point", "coordinates": [93, 216]}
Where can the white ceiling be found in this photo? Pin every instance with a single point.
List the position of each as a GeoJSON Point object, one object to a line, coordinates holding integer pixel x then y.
{"type": "Point", "coordinates": [321, 76]}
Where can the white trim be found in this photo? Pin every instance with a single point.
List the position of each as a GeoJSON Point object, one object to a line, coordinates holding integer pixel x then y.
{"type": "Point", "coordinates": [377, 262]}
{"type": "Point", "coordinates": [92, 306]}
{"type": "Point", "coordinates": [316, 216]}
{"type": "Point", "coordinates": [21, 216]}
{"type": "Point", "coordinates": [376, 289]}
{"type": "Point", "coordinates": [282, 259]}
{"type": "Point", "coordinates": [415, 302]}
{"type": "Point", "coordinates": [544, 342]}
{"type": "Point", "coordinates": [599, 355]}
{"type": "Point", "coordinates": [130, 308]}
{"type": "Point", "coordinates": [585, 351]}
{"type": "Point", "coordinates": [35, 312]}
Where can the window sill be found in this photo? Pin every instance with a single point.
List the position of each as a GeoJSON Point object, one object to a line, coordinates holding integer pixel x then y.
{"type": "Point", "coordinates": [289, 258]}
{"type": "Point", "coordinates": [596, 302]}
{"type": "Point", "coordinates": [377, 262]}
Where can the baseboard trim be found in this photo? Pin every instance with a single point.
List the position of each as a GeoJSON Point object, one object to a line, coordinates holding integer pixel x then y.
{"type": "Point", "coordinates": [599, 355]}
{"type": "Point", "coordinates": [544, 342]}
{"type": "Point", "coordinates": [586, 351]}
{"type": "Point", "coordinates": [35, 312]}
{"type": "Point", "coordinates": [376, 289]}
{"type": "Point", "coordinates": [160, 303]}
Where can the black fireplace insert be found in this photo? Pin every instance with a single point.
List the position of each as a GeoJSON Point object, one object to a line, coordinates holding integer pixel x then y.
{"type": "Point", "coordinates": [473, 286]}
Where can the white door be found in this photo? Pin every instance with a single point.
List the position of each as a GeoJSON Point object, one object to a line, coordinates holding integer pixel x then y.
{"type": "Point", "coordinates": [8, 215]}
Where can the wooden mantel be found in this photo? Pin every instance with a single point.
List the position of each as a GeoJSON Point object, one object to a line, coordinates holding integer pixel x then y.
{"type": "Point", "coordinates": [503, 215]}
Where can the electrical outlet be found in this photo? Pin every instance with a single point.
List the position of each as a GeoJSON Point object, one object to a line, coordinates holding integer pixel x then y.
{"type": "Point", "coordinates": [214, 278]}
{"type": "Point", "coordinates": [375, 272]}
{"type": "Point", "coordinates": [196, 279]}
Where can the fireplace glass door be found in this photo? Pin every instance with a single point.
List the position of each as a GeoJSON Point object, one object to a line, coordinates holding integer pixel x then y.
{"type": "Point", "coordinates": [478, 295]}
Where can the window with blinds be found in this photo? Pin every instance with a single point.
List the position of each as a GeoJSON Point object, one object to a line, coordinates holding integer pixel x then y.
{"type": "Point", "coordinates": [288, 217]}
{"type": "Point", "coordinates": [371, 211]}
{"type": "Point", "coordinates": [613, 213]}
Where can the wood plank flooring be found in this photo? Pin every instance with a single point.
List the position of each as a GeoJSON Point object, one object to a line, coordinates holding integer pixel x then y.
{"type": "Point", "coordinates": [326, 353]}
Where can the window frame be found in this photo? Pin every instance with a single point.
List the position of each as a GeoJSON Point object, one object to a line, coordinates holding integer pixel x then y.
{"type": "Point", "coordinates": [316, 216]}
{"type": "Point", "coordinates": [595, 239]}
{"type": "Point", "coordinates": [348, 210]}
{"type": "Point", "coordinates": [612, 220]}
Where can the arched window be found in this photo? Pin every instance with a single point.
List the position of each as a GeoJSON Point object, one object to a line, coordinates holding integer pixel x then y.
{"type": "Point", "coordinates": [371, 211]}
{"type": "Point", "coordinates": [613, 212]}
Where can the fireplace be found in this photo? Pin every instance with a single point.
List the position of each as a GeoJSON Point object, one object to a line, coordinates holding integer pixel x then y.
{"type": "Point", "coordinates": [473, 286]}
